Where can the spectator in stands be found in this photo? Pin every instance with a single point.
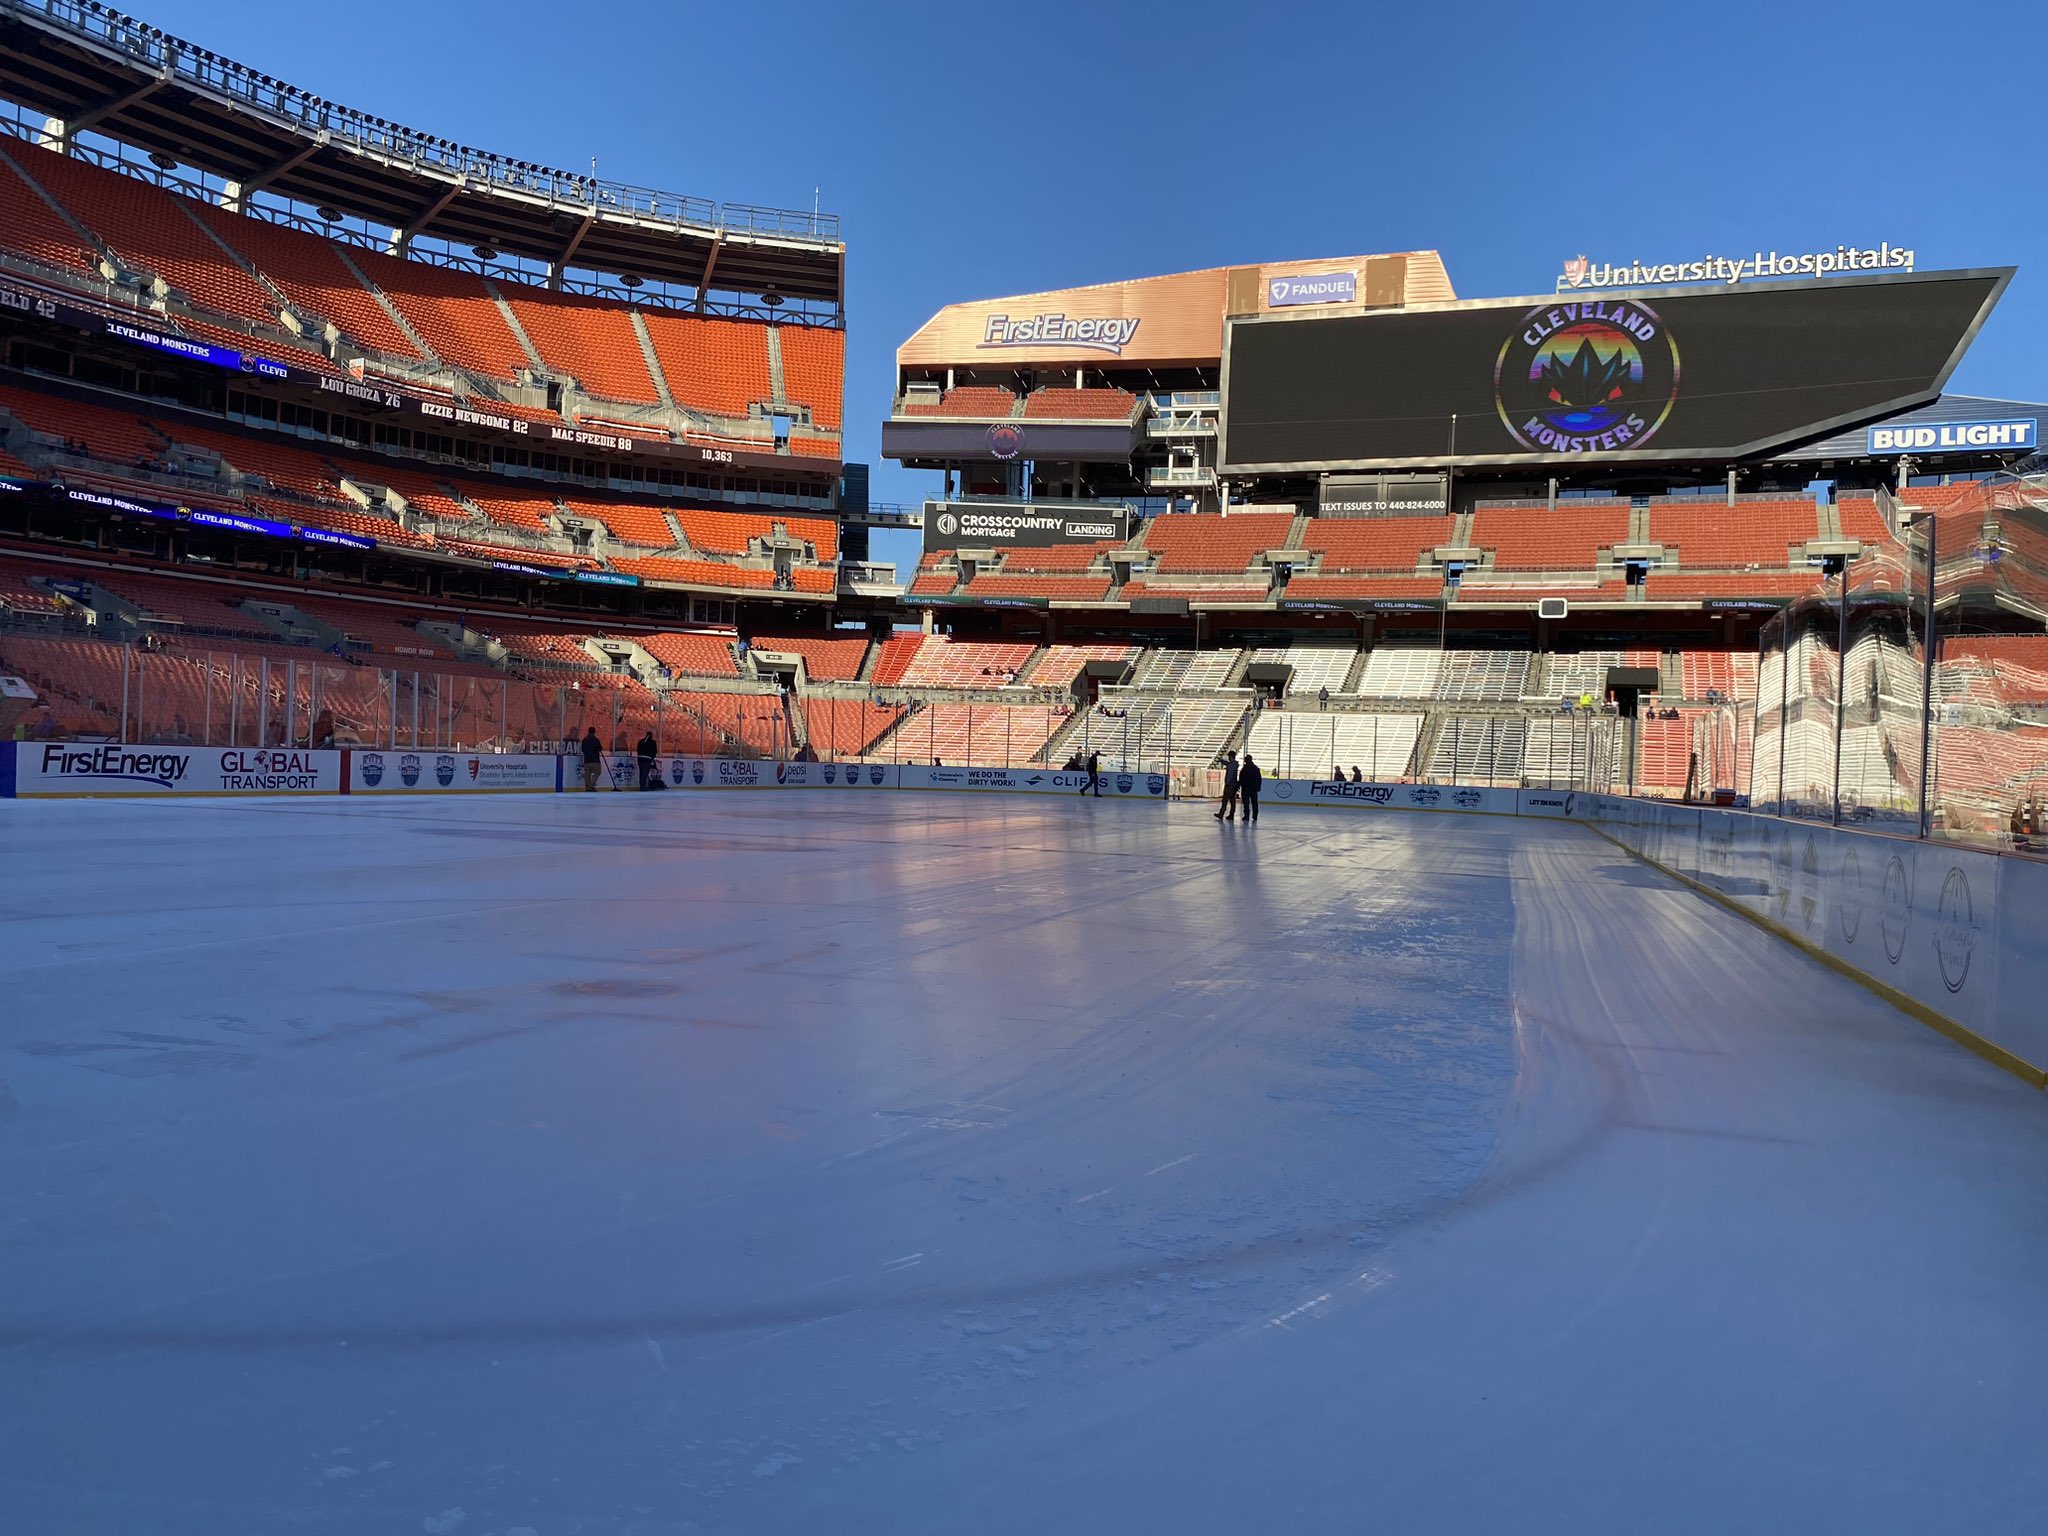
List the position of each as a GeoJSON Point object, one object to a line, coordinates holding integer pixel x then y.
{"type": "Point", "coordinates": [1337, 773]}
{"type": "Point", "coordinates": [1356, 776]}
{"type": "Point", "coordinates": [1073, 763]}
{"type": "Point", "coordinates": [323, 729]}
{"type": "Point", "coordinates": [1249, 779]}
{"type": "Point", "coordinates": [646, 752]}
{"type": "Point", "coordinates": [593, 758]}
{"type": "Point", "coordinates": [806, 754]}
{"type": "Point", "coordinates": [1228, 810]}
{"type": "Point", "coordinates": [1323, 697]}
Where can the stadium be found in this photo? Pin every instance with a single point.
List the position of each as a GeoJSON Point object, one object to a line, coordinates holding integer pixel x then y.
{"type": "Point", "coordinates": [842, 1077]}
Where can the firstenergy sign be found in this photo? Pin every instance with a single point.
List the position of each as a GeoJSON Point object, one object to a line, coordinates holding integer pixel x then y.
{"type": "Point", "coordinates": [1109, 335]}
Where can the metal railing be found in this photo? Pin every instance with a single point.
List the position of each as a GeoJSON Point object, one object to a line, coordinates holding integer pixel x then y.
{"type": "Point", "coordinates": [287, 107]}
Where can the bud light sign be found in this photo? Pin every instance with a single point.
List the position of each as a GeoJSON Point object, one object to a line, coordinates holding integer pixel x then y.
{"type": "Point", "coordinates": [1312, 288]}
{"type": "Point", "coordinates": [1955, 436]}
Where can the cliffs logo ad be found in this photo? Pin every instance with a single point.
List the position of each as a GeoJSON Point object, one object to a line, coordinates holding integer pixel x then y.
{"type": "Point", "coordinates": [444, 771]}
{"type": "Point", "coordinates": [409, 769]}
{"type": "Point", "coordinates": [1593, 377]}
{"type": "Point", "coordinates": [876, 774]}
{"type": "Point", "coordinates": [371, 764]}
{"type": "Point", "coordinates": [831, 773]}
{"type": "Point", "coordinates": [697, 772]}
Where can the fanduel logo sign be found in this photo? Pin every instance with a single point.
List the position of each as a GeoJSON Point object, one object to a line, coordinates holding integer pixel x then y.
{"type": "Point", "coordinates": [1312, 288]}
{"type": "Point", "coordinates": [1057, 330]}
{"type": "Point", "coordinates": [1955, 436]}
{"type": "Point", "coordinates": [1579, 272]}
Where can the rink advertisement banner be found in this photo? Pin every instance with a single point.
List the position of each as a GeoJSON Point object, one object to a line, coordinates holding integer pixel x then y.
{"type": "Point", "coordinates": [762, 773]}
{"type": "Point", "coordinates": [385, 771]}
{"type": "Point", "coordinates": [1115, 784]}
{"type": "Point", "coordinates": [109, 768]}
{"type": "Point", "coordinates": [1334, 794]}
{"type": "Point", "coordinates": [1955, 930]}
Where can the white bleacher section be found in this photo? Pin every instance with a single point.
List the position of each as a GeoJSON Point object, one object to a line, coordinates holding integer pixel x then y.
{"type": "Point", "coordinates": [975, 734]}
{"type": "Point", "coordinates": [1479, 750]}
{"type": "Point", "coordinates": [1315, 666]}
{"type": "Point", "coordinates": [1585, 672]}
{"type": "Point", "coordinates": [1185, 671]}
{"type": "Point", "coordinates": [1561, 749]}
{"type": "Point", "coordinates": [1483, 676]}
{"type": "Point", "coordinates": [1149, 734]}
{"type": "Point", "coordinates": [1298, 744]}
{"type": "Point", "coordinates": [1401, 672]}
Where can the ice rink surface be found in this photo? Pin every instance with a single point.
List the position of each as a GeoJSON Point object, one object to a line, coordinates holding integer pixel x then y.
{"type": "Point", "coordinates": [759, 1163]}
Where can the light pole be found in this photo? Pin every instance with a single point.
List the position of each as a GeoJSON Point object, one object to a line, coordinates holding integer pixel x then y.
{"type": "Point", "coordinates": [1912, 517]}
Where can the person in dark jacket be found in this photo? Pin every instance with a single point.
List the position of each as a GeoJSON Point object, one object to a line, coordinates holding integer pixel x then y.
{"type": "Point", "coordinates": [1227, 811]}
{"type": "Point", "coordinates": [1249, 778]}
{"type": "Point", "coordinates": [593, 758]}
{"type": "Point", "coordinates": [648, 750]}
{"type": "Point", "coordinates": [1094, 775]}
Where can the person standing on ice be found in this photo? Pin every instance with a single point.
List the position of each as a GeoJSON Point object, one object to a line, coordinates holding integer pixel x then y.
{"type": "Point", "coordinates": [1094, 775]}
{"type": "Point", "coordinates": [648, 750]}
{"type": "Point", "coordinates": [1227, 811]}
{"type": "Point", "coordinates": [1249, 778]}
{"type": "Point", "coordinates": [593, 759]}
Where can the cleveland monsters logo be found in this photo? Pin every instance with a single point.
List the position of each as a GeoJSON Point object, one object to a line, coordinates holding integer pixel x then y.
{"type": "Point", "coordinates": [1593, 377]}
{"type": "Point", "coordinates": [1005, 441]}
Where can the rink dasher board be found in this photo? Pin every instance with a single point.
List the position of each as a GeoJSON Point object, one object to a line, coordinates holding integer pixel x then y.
{"type": "Point", "coordinates": [1328, 794]}
{"type": "Point", "coordinates": [78, 770]}
{"type": "Point", "coordinates": [742, 773]}
{"type": "Point", "coordinates": [383, 771]}
{"type": "Point", "coordinates": [1952, 930]}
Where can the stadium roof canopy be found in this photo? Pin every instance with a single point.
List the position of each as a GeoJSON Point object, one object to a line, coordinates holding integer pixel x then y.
{"type": "Point", "coordinates": [90, 68]}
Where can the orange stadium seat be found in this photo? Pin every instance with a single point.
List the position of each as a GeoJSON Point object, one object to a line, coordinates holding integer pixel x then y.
{"type": "Point", "coordinates": [1314, 586]}
{"type": "Point", "coordinates": [834, 659]}
{"type": "Point", "coordinates": [590, 339]}
{"type": "Point", "coordinates": [944, 663]}
{"type": "Point", "coordinates": [1708, 533]}
{"type": "Point", "coordinates": [111, 434]}
{"type": "Point", "coordinates": [1054, 557]}
{"type": "Point", "coordinates": [1194, 593]}
{"type": "Point", "coordinates": [1081, 404]}
{"type": "Point", "coordinates": [452, 310]}
{"type": "Point", "coordinates": [30, 227]}
{"type": "Point", "coordinates": [691, 573]}
{"type": "Point", "coordinates": [150, 229]}
{"type": "Point", "coordinates": [700, 655]}
{"type": "Point", "coordinates": [514, 509]}
{"type": "Point", "coordinates": [711, 364]}
{"type": "Point", "coordinates": [312, 276]}
{"type": "Point", "coordinates": [1375, 543]}
{"type": "Point", "coordinates": [629, 522]}
{"type": "Point", "coordinates": [727, 533]}
{"type": "Point", "coordinates": [981, 401]}
{"type": "Point", "coordinates": [814, 371]}
{"type": "Point", "coordinates": [1211, 543]}
{"type": "Point", "coordinates": [1071, 589]}
{"type": "Point", "coordinates": [1538, 539]}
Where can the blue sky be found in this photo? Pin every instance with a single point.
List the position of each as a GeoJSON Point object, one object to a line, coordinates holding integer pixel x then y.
{"type": "Point", "coordinates": [976, 150]}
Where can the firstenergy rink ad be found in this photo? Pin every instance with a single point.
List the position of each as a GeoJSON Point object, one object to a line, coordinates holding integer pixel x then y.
{"type": "Point", "coordinates": [109, 768]}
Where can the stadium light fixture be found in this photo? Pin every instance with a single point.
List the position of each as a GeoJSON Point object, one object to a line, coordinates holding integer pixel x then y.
{"type": "Point", "coordinates": [484, 253]}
